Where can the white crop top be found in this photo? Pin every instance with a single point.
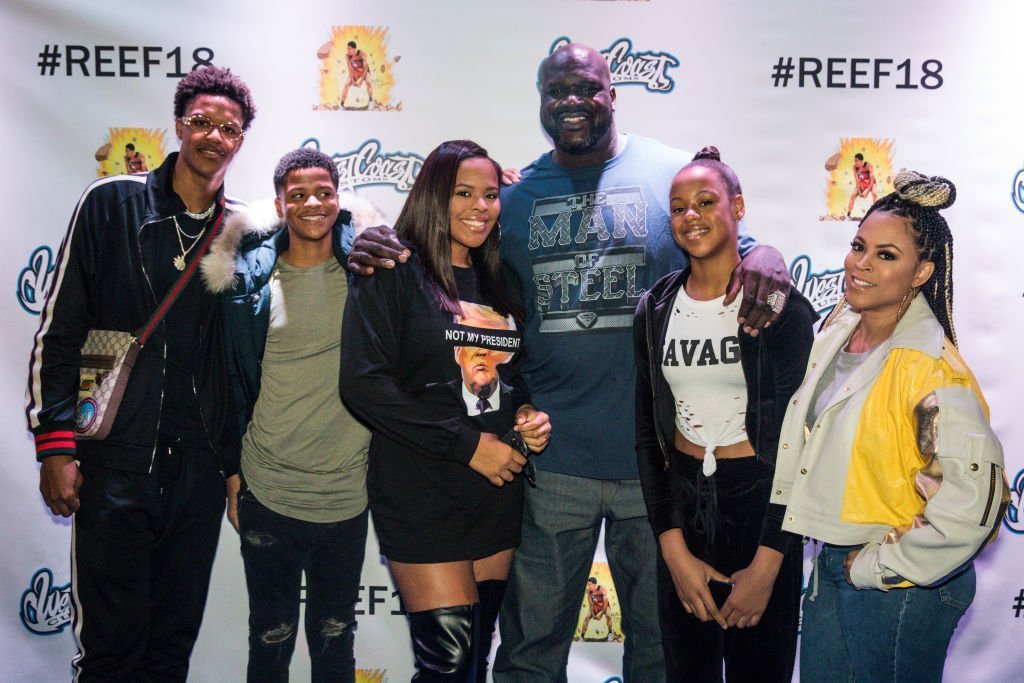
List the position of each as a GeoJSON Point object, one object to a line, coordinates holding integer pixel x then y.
{"type": "Point", "coordinates": [701, 363]}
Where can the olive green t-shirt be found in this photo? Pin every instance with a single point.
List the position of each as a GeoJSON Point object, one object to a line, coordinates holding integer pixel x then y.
{"type": "Point", "coordinates": [304, 454]}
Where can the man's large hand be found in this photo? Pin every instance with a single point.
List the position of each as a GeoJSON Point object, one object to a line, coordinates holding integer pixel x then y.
{"type": "Point", "coordinates": [761, 273]}
{"type": "Point", "coordinates": [59, 482]}
{"type": "Point", "coordinates": [534, 426]}
{"type": "Point", "coordinates": [376, 247]}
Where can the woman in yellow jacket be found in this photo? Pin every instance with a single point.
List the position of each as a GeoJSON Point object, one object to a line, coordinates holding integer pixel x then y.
{"type": "Point", "coordinates": [887, 457]}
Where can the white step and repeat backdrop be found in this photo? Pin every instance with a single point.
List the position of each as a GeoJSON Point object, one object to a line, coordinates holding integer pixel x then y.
{"type": "Point", "coordinates": [788, 91]}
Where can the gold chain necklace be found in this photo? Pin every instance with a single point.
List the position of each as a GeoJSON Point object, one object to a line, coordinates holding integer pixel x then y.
{"type": "Point", "coordinates": [179, 260]}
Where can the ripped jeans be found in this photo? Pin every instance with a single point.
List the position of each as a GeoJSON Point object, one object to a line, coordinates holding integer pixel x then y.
{"type": "Point", "coordinates": [276, 550]}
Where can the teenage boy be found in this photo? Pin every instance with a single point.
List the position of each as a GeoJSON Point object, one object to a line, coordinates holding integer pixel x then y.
{"type": "Point", "coordinates": [301, 506]}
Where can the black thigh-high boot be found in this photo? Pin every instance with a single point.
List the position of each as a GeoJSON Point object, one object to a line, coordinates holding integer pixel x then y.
{"type": "Point", "coordinates": [444, 641]}
{"type": "Point", "coordinates": [491, 593]}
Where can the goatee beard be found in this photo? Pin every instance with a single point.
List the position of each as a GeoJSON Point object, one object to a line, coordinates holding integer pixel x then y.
{"type": "Point", "coordinates": [579, 147]}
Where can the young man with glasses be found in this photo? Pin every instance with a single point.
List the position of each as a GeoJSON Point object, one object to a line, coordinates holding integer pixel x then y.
{"type": "Point", "coordinates": [147, 500]}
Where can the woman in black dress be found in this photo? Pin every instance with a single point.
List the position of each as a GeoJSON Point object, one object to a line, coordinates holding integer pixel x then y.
{"type": "Point", "coordinates": [430, 356]}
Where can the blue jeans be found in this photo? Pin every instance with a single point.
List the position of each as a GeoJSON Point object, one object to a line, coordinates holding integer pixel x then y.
{"type": "Point", "coordinates": [561, 523]}
{"type": "Point", "coordinates": [874, 636]}
{"type": "Point", "coordinates": [276, 550]}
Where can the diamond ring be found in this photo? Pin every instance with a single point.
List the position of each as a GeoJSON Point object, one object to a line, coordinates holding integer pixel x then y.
{"type": "Point", "coordinates": [776, 301]}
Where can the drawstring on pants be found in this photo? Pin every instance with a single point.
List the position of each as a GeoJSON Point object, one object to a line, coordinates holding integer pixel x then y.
{"type": "Point", "coordinates": [815, 556]}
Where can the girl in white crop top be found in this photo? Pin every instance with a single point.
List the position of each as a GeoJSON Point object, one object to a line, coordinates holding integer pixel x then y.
{"type": "Point", "coordinates": [729, 578]}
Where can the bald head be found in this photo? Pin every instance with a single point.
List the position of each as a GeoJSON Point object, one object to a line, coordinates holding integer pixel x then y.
{"type": "Point", "coordinates": [577, 103]}
{"type": "Point", "coordinates": [579, 55]}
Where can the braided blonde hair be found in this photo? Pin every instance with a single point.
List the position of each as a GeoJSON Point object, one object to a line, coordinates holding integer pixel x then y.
{"type": "Point", "coordinates": [919, 198]}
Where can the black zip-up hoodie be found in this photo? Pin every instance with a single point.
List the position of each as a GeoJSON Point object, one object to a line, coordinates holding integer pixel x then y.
{"type": "Point", "coordinates": [100, 283]}
{"type": "Point", "coordinates": [773, 367]}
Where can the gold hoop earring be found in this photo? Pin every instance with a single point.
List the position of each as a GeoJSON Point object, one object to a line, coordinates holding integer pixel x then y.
{"type": "Point", "coordinates": [834, 313]}
{"type": "Point", "coordinates": [900, 311]}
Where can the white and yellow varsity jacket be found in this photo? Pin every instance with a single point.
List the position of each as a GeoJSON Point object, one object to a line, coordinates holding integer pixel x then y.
{"type": "Point", "coordinates": [901, 460]}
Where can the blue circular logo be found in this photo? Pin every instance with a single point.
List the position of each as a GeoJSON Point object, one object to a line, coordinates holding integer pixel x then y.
{"type": "Point", "coordinates": [85, 415]}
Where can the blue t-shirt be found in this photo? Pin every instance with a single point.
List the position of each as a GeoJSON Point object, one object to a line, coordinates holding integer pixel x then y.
{"type": "Point", "coordinates": [586, 244]}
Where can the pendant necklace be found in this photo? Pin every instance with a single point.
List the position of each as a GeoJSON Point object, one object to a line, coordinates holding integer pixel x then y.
{"type": "Point", "coordinates": [179, 260]}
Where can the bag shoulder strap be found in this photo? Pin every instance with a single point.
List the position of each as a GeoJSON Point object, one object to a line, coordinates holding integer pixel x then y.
{"type": "Point", "coordinates": [179, 285]}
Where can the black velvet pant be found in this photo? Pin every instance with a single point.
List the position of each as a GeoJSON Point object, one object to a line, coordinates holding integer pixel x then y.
{"type": "Point", "coordinates": [142, 551]}
{"type": "Point", "coordinates": [727, 538]}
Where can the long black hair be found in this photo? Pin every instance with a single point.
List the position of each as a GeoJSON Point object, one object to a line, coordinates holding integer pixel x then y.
{"type": "Point", "coordinates": [425, 221]}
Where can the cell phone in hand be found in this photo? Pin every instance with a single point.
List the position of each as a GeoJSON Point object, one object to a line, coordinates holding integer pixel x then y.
{"type": "Point", "coordinates": [515, 440]}
{"type": "Point", "coordinates": [720, 591]}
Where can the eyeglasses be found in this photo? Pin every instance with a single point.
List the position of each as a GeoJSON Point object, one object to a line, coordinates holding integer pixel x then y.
{"type": "Point", "coordinates": [201, 124]}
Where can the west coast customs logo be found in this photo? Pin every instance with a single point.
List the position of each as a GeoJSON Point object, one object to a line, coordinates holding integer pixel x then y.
{"type": "Point", "coordinates": [822, 289]}
{"type": "Point", "coordinates": [1014, 518]}
{"type": "Point", "coordinates": [1017, 193]}
{"type": "Point", "coordinates": [1018, 190]}
{"type": "Point", "coordinates": [629, 67]}
{"type": "Point", "coordinates": [45, 608]}
{"type": "Point", "coordinates": [368, 165]}
{"type": "Point", "coordinates": [34, 280]}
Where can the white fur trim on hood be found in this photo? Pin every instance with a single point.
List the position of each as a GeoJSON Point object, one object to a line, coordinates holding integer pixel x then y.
{"type": "Point", "coordinates": [218, 266]}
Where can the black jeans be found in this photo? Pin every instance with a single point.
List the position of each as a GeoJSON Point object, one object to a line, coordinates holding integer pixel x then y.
{"type": "Point", "coordinates": [276, 550]}
{"type": "Point", "coordinates": [695, 650]}
{"type": "Point", "coordinates": [142, 549]}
